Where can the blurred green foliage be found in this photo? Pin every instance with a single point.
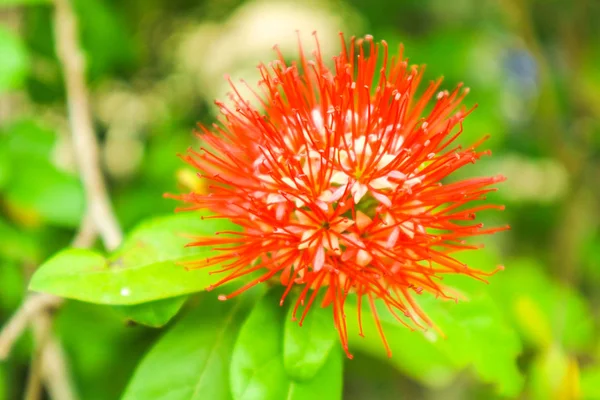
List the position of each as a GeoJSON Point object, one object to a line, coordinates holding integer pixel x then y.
{"type": "Point", "coordinates": [154, 68]}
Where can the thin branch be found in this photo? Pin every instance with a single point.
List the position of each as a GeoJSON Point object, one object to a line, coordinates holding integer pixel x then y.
{"type": "Point", "coordinates": [42, 329]}
{"type": "Point", "coordinates": [86, 234]}
{"type": "Point", "coordinates": [35, 303]}
{"type": "Point", "coordinates": [84, 138]}
{"type": "Point", "coordinates": [55, 370]}
{"type": "Point", "coordinates": [31, 307]}
{"type": "Point", "coordinates": [49, 363]}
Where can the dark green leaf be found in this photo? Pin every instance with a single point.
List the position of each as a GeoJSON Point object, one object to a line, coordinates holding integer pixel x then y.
{"type": "Point", "coordinates": [191, 361]}
{"type": "Point", "coordinates": [307, 347]}
{"type": "Point", "coordinates": [100, 24]}
{"type": "Point", "coordinates": [257, 370]}
{"type": "Point", "coordinates": [155, 313]}
{"type": "Point", "coordinates": [103, 351]}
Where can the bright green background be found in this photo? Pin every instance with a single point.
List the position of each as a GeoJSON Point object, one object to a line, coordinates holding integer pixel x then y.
{"type": "Point", "coordinates": [154, 68]}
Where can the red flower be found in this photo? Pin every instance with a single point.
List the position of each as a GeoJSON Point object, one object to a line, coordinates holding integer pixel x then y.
{"type": "Point", "coordinates": [337, 182]}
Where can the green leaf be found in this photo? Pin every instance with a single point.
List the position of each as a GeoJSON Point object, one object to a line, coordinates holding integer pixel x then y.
{"type": "Point", "coordinates": [257, 370]}
{"type": "Point", "coordinates": [257, 366]}
{"type": "Point", "coordinates": [103, 352]}
{"type": "Point", "coordinates": [327, 384]}
{"type": "Point", "coordinates": [191, 361]}
{"type": "Point", "coordinates": [414, 354]}
{"type": "Point", "coordinates": [531, 300]}
{"type": "Point", "coordinates": [146, 268]}
{"type": "Point", "coordinates": [15, 61]}
{"type": "Point", "coordinates": [476, 335]}
{"type": "Point", "coordinates": [164, 238]}
{"type": "Point", "coordinates": [155, 313]}
{"type": "Point", "coordinates": [87, 276]}
{"type": "Point", "coordinates": [307, 347]}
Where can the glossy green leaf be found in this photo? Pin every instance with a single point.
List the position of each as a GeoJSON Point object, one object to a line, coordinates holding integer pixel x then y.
{"type": "Point", "coordinates": [191, 361]}
{"type": "Point", "coordinates": [15, 61]}
{"type": "Point", "coordinates": [87, 276]}
{"type": "Point", "coordinates": [155, 313]}
{"type": "Point", "coordinates": [307, 347]}
{"type": "Point", "coordinates": [257, 365]}
{"type": "Point", "coordinates": [327, 384]}
{"type": "Point", "coordinates": [257, 370]}
{"type": "Point", "coordinates": [146, 268]}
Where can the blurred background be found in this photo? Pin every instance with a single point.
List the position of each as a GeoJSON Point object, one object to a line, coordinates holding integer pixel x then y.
{"type": "Point", "coordinates": [154, 69]}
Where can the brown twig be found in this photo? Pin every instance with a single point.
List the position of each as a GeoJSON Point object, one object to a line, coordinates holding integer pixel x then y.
{"type": "Point", "coordinates": [38, 302]}
{"type": "Point", "coordinates": [42, 330]}
{"type": "Point", "coordinates": [55, 371]}
{"type": "Point", "coordinates": [86, 233]}
{"type": "Point", "coordinates": [48, 363]}
{"type": "Point", "coordinates": [21, 319]}
{"type": "Point", "coordinates": [84, 138]}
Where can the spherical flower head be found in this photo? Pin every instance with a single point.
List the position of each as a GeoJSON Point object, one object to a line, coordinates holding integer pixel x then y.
{"type": "Point", "coordinates": [337, 179]}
